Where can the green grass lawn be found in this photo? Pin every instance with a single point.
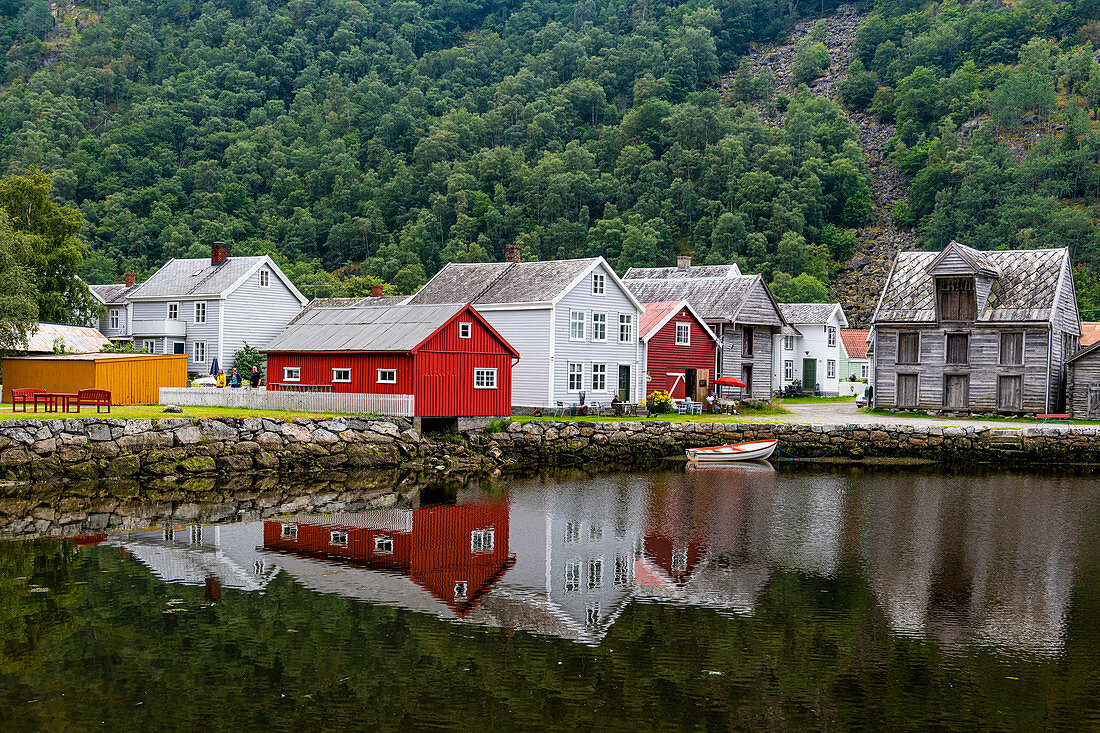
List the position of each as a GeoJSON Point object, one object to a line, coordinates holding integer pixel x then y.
{"type": "Point", "coordinates": [145, 412]}
{"type": "Point", "coordinates": [669, 417]}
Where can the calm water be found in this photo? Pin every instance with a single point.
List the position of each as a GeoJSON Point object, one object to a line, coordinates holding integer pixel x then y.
{"type": "Point", "coordinates": [755, 600]}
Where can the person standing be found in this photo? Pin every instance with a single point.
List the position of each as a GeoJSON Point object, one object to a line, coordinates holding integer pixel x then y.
{"type": "Point", "coordinates": [221, 378]}
{"type": "Point", "coordinates": [254, 378]}
{"type": "Point", "coordinates": [235, 380]}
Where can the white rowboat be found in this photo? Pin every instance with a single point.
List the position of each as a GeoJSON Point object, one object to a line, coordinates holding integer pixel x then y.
{"type": "Point", "coordinates": [751, 451]}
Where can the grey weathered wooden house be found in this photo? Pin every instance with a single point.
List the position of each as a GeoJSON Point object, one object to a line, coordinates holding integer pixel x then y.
{"type": "Point", "coordinates": [964, 331]}
{"type": "Point", "coordinates": [1083, 383]}
{"type": "Point", "coordinates": [739, 309]}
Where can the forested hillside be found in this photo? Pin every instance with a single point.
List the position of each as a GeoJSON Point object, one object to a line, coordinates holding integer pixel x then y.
{"type": "Point", "coordinates": [385, 139]}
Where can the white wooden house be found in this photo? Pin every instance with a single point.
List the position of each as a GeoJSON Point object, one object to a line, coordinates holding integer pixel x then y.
{"type": "Point", "coordinates": [812, 354]}
{"type": "Point", "coordinates": [573, 322]}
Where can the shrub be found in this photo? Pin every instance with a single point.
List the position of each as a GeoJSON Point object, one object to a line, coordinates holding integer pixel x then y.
{"type": "Point", "coordinates": [903, 217]}
{"type": "Point", "coordinates": [809, 63]}
{"type": "Point", "coordinates": [248, 357]}
{"type": "Point", "coordinates": [658, 402]}
{"type": "Point", "coordinates": [496, 425]}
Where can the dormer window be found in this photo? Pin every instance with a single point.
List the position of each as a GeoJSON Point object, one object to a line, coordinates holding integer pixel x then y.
{"type": "Point", "coordinates": [955, 298]}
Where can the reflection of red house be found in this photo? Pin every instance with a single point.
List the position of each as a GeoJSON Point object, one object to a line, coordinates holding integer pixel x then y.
{"type": "Point", "coordinates": [677, 346]}
{"type": "Point", "coordinates": [456, 553]}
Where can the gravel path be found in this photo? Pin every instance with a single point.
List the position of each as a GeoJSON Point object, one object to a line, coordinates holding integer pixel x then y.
{"type": "Point", "coordinates": [844, 413]}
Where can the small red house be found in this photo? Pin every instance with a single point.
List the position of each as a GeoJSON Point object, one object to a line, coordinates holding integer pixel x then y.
{"type": "Point", "coordinates": [447, 357]}
{"type": "Point", "coordinates": [455, 553]}
{"type": "Point", "coordinates": [678, 349]}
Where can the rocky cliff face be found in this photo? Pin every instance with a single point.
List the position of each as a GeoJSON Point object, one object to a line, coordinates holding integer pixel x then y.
{"type": "Point", "coordinates": [878, 242]}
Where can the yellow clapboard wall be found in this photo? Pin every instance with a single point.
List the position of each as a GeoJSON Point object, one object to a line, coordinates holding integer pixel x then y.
{"type": "Point", "coordinates": [133, 379]}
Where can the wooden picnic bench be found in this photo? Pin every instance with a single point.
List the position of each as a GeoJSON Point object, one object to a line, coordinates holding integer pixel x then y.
{"type": "Point", "coordinates": [1054, 417]}
{"type": "Point", "coordinates": [100, 398]}
{"type": "Point", "coordinates": [24, 395]}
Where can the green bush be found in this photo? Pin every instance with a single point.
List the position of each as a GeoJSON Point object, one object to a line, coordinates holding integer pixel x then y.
{"type": "Point", "coordinates": [903, 217]}
{"type": "Point", "coordinates": [248, 357]}
{"type": "Point", "coordinates": [810, 62]}
{"type": "Point", "coordinates": [658, 402]}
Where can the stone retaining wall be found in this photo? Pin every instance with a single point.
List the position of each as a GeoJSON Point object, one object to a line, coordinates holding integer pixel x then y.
{"type": "Point", "coordinates": [93, 448]}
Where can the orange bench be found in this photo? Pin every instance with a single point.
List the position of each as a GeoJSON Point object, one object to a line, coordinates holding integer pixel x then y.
{"type": "Point", "coordinates": [23, 396]}
{"type": "Point", "coordinates": [1054, 416]}
{"type": "Point", "coordinates": [99, 397]}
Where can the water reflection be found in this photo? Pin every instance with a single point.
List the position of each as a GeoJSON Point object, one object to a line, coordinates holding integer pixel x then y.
{"type": "Point", "coordinates": [985, 560]}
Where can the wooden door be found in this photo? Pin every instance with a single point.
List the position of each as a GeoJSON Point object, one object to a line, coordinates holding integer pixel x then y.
{"type": "Point", "coordinates": [809, 374]}
{"type": "Point", "coordinates": [1010, 393]}
{"type": "Point", "coordinates": [1093, 411]}
{"type": "Point", "coordinates": [624, 382]}
{"type": "Point", "coordinates": [907, 390]}
{"type": "Point", "coordinates": [956, 389]}
{"type": "Point", "coordinates": [703, 385]}
{"type": "Point", "coordinates": [746, 377]}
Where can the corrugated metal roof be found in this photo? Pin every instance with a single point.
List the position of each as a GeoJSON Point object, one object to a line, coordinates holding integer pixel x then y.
{"type": "Point", "coordinates": [675, 273]}
{"type": "Point", "coordinates": [179, 278]}
{"type": "Point", "coordinates": [1090, 333]}
{"type": "Point", "coordinates": [392, 328]}
{"type": "Point", "coordinates": [1025, 291]}
{"type": "Point", "coordinates": [113, 293]}
{"type": "Point", "coordinates": [502, 282]}
{"type": "Point", "coordinates": [711, 297]}
{"type": "Point", "coordinates": [855, 342]}
{"type": "Point", "coordinates": [807, 312]}
{"type": "Point", "coordinates": [78, 339]}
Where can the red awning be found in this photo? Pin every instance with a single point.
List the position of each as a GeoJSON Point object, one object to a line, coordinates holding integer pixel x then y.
{"type": "Point", "coordinates": [730, 382]}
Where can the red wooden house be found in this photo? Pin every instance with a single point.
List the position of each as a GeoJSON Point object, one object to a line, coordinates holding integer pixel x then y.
{"type": "Point", "coordinates": [455, 553]}
{"type": "Point", "coordinates": [447, 357]}
{"type": "Point", "coordinates": [678, 349]}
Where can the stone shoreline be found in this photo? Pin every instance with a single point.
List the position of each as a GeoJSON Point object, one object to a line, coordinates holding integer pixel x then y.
{"type": "Point", "coordinates": [96, 448]}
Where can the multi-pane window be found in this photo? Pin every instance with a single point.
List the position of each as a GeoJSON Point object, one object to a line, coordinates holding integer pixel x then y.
{"type": "Point", "coordinates": [1010, 392]}
{"type": "Point", "coordinates": [907, 390]}
{"type": "Point", "coordinates": [599, 327]}
{"type": "Point", "coordinates": [573, 576]}
{"type": "Point", "coordinates": [599, 377]}
{"type": "Point", "coordinates": [114, 318]}
{"type": "Point", "coordinates": [788, 343]}
{"type": "Point", "coordinates": [863, 371]}
{"type": "Point", "coordinates": [832, 335]}
{"type": "Point", "coordinates": [338, 537]}
{"type": "Point", "coordinates": [461, 587]}
{"type": "Point", "coordinates": [265, 278]}
{"type": "Point", "coordinates": [200, 312]}
{"type": "Point", "coordinates": [149, 346]}
{"type": "Point", "coordinates": [576, 377]}
{"type": "Point", "coordinates": [747, 337]}
{"type": "Point", "coordinates": [572, 532]}
{"type": "Point", "coordinates": [198, 351]}
{"type": "Point", "coordinates": [597, 283]}
{"type": "Point", "coordinates": [1012, 348]}
{"type": "Point", "coordinates": [595, 573]}
{"type": "Point", "coordinates": [465, 330]}
{"type": "Point", "coordinates": [387, 376]}
{"type": "Point", "coordinates": [289, 532]}
{"type": "Point", "coordinates": [908, 348]}
{"type": "Point", "coordinates": [626, 328]}
{"type": "Point", "coordinates": [173, 311]}
{"type": "Point", "coordinates": [683, 334]}
{"type": "Point", "coordinates": [576, 325]}
{"type": "Point", "coordinates": [830, 368]}
{"type": "Point", "coordinates": [955, 297]}
{"type": "Point", "coordinates": [958, 348]}
{"type": "Point", "coordinates": [481, 540]}
{"type": "Point", "coordinates": [622, 571]}
{"type": "Point", "coordinates": [383, 544]}
{"type": "Point", "coordinates": [292, 374]}
{"type": "Point", "coordinates": [592, 615]}
{"type": "Point", "coordinates": [788, 370]}
{"type": "Point", "coordinates": [595, 533]}
{"type": "Point", "coordinates": [679, 561]}
{"type": "Point", "coordinates": [485, 379]}
{"type": "Point", "coordinates": [341, 375]}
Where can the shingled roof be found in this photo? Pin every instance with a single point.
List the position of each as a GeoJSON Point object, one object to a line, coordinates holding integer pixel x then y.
{"type": "Point", "coordinates": [393, 328]}
{"type": "Point", "coordinates": [197, 277]}
{"type": "Point", "coordinates": [716, 298]}
{"type": "Point", "coordinates": [675, 273]}
{"type": "Point", "coordinates": [1026, 289]}
{"type": "Point", "coordinates": [111, 294]}
{"type": "Point", "coordinates": [811, 312]}
{"type": "Point", "coordinates": [349, 302]}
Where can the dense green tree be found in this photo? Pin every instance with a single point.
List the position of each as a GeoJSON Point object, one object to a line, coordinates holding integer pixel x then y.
{"type": "Point", "coordinates": [18, 301]}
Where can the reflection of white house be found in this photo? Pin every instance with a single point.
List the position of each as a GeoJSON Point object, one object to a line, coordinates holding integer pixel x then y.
{"type": "Point", "coordinates": [812, 354]}
{"type": "Point", "coordinates": [192, 554]}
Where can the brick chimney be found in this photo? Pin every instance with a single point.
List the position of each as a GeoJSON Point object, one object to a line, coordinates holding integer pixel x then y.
{"type": "Point", "coordinates": [376, 291]}
{"type": "Point", "coordinates": [218, 253]}
{"type": "Point", "coordinates": [511, 253]}
{"type": "Point", "coordinates": [131, 278]}
{"type": "Point", "coordinates": [683, 262]}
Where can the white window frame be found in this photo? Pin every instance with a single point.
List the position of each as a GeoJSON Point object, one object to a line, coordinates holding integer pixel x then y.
{"type": "Point", "coordinates": [683, 328]}
{"type": "Point", "coordinates": [679, 560]}
{"type": "Point", "coordinates": [572, 532]}
{"type": "Point", "coordinates": [173, 311]}
{"type": "Point", "coordinates": [292, 374]}
{"type": "Point", "coordinates": [626, 328]}
{"type": "Point", "coordinates": [864, 371]}
{"type": "Point", "coordinates": [265, 278]}
{"type": "Point", "coordinates": [830, 368]}
{"type": "Point", "coordinates": [599, 326]}
{"type": "Point", "coordinates": [832, 335]}
{"type": "Point", "coordinates": [383, 544]}
{"type": "Point", "coordinates": [592, 615]}
{"type": "Point", "coordinates": [386, 380]}
{"type": "Point", "coordinates": [114, 318]}
{"type": "Point", "coordinates": [182, 345]}
{"type": "Point", "coordinates": [599, 283]}
{"type": "Point", "coordinates": [465, 330]}
{"type": "Point", "coordinates": [788, 370]}
{"type": "Point", "coordinates": [482, 540]}
{"type": "Point", "coordinates": [150, 345]}
{"type": "Point", "coordinates": [788, 343]}
{"type": "Point", "coordinates": [595, 573]}
{"type": "Point", "coordinates": [576, 318]}
{"type": "Point", "coordinates": [338, 537]}
{"type": "Point", "coordinates": [599, 370]}
{"type": "Point", "coordinates": [622, 571]}
{"type": "Point", "coordinates": [461, 589]}
{"type": "Point", "coordinates": [572, 575]}
{"type": "Point", "coordinates": [196, 347]}
{"type": "Point", "coordinates": [571, 373]}
{"type": "Point", "coordinates": [336, 376]}
{"type": "Point", "coordinates": [289, 532]}
{"type": "Point", "coordinates": [200, 311]}
{"type": "Point", "coordinates": [485, 378]}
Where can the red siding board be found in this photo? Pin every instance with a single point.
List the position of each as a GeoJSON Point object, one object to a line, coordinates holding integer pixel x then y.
{"type": "Point", "coordinates": [663, 356]}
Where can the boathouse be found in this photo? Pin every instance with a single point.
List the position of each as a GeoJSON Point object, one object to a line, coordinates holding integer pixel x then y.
{"type": "Point", "coordinates": [1083, 383]}
{"type": "Point", "coordinates": [678, 349]}
{"type": "Point", "coordinates": [440, 361]}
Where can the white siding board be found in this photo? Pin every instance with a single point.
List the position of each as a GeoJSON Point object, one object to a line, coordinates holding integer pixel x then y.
{"type": "Point", "coordinates": [256, 314]}
{"type": "Point", "coordinates": [528, 331]}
